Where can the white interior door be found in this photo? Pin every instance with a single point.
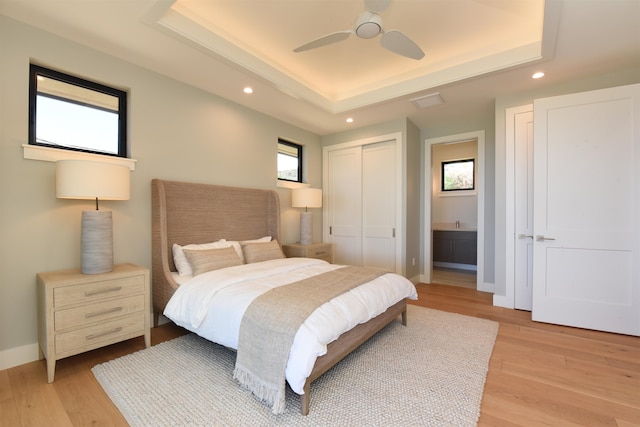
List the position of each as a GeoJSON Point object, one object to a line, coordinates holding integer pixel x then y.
{"type": "Point", "coordinates": [379, 205]}
{"type": "Point", "coordinates": [587, 209]}
{"type": "Point", "coordinates": [344, 204]}
{"type": "Point", "coordinates": [523, 199]}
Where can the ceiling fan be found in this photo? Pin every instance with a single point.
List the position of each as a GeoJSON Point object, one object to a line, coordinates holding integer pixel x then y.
{"type": "Point", "coordinates": [368, 25]}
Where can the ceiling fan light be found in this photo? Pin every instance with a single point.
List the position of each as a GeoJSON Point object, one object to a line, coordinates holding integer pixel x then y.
{"type": "Point", "coordinates": [368, 25]}
{"type": "Point", "coordinates": [368, 30]}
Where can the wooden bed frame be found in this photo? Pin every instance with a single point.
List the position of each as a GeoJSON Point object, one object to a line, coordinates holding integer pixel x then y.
{"type": "Point", "coordinates": [185, 213]}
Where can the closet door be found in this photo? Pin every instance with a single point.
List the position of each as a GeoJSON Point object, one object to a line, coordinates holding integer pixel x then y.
{"type": "Point", "coordinates": [361, 210]}
{"type": "Point", "coordinates": [344, 204]}
{"type": "Point", "coordinates": [379, 205]}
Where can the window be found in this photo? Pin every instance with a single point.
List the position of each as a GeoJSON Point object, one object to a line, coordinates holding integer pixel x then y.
{"type": "Point", "coordinates": [71, 113]}
{"type": "Point", "coordinates": [458, 175]}
{"type": "Point", "coordinates": [289, 161]}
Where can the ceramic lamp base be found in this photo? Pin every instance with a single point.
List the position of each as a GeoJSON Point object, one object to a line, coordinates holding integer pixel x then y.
{"type": "Point", "coordinates": [306, 228]}
{"type": "Point", "coordinates": [97, 242]}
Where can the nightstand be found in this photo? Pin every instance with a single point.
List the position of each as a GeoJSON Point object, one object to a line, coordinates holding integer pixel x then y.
{"type": "Point", "coordinates": [81, 312]}
{"type": "Point", "coordinates": [315, 250]}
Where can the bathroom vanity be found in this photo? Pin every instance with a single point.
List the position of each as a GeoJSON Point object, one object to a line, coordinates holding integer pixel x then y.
{"type": "Point", "coordinates": [455, 245]}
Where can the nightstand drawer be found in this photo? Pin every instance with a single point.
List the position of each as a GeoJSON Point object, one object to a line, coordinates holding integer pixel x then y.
{"type": "Point", "coordinates": [99, 335]}
{"type": "Point", "coordinates": [320, 252]}
{"type": "Point", "coordinates": [87, 293]}
{"type": "Point", "coordinates": [100, 312]}
{"type": "Point", "coordinates": [323, 251]}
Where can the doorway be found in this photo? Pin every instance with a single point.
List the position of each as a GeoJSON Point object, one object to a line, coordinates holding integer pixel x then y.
{"type": "Point", "coordinates": [435, 219]}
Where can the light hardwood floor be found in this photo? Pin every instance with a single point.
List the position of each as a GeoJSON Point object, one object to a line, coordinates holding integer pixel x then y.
{"type": "Point", "coordinates": [539, 374]}
{"type": "Point", "coordinates": [455, 277]}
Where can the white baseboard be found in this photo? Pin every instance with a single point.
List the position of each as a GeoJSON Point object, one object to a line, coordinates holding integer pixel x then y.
{"type": "Point", "coordinates": [18, 356]}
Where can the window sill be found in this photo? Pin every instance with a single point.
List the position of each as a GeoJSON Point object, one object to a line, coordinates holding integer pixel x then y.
{"type": "Point", "coordinates": [48, 154]}
{"type": "Point", "coordinates": [460, 193]}
{"type": "Point", "coordinates": [290, 184]}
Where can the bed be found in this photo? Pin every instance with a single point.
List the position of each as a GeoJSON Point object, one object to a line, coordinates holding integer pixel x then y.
{"type": "Point", "coordinates": [196, 214]}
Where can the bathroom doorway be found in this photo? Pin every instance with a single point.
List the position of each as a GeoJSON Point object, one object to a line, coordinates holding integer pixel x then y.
{"type": "Point", "coordinates": [454, 211]}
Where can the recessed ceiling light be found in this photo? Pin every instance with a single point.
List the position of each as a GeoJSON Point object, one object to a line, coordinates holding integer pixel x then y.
{"type": "Point", "coordinates": [537, 75]}
{"type": "Point", "coordinates": [247, 90]}
{"type": "Point", "coordinates": [349, 120]}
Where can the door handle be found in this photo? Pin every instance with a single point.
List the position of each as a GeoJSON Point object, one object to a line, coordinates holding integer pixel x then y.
{"type": "Point", "coordinates": [525, 236]}
{"type": "Point", "coordinates": [541, 238]}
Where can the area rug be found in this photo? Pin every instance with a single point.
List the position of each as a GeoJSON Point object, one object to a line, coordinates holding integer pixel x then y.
{"type": "Point", "coordinates": [428, 373]}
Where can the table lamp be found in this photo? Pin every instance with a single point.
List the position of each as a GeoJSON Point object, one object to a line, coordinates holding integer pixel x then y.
{"type": "Point", "coordinates": [89, 180]}
{"type": "Point", "coordinates": [306, 198]}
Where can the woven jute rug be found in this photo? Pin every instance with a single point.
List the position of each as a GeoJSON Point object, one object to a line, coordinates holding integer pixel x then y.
{"type": "Point", "coordinates": [429, 373]}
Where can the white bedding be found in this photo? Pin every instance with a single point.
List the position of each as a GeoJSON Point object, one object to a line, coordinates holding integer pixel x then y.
{"type": "Point", "coordinates": [213, 303]}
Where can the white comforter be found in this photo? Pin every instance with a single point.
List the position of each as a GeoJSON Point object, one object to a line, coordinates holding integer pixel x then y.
{"type": "Point", "coordinates": [213, 303]}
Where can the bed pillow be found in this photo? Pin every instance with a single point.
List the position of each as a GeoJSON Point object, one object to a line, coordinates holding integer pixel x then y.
{"type": "Point", "coordinates": [261, 251]}
{"type": "Point", "coordinates": [238, 245]}
{"type": "Point", "coordinates": [203, 260]}
{"type": "Point", "coordinates": [182, 265]}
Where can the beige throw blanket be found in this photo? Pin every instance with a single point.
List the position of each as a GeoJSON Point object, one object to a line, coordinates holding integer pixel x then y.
{"type": "Point", "coordinates": [269, 326]}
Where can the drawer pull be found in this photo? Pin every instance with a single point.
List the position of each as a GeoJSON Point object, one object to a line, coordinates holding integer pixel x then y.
{"type": "Point", "coordinates": [321, 252]}
{"type": "Point", "coordinates": [102, 291]}
{"type": "Point", "coordinates": [102, 334]}
{"type": "Point", "coordinates": [100, 313]}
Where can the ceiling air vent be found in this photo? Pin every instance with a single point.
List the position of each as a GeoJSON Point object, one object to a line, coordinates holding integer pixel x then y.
{"type": "Point", "coordinates": [428, 101]}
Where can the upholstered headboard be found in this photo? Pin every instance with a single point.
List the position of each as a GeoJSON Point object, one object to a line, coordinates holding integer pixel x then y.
{"type": "Point", "coordinates": [185, 213]}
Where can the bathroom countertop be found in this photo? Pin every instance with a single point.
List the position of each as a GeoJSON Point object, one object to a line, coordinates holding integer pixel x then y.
{"type": "Point", "coordinates": [446, 226]}
{"type": "Point", "coordinates": [454, 229]}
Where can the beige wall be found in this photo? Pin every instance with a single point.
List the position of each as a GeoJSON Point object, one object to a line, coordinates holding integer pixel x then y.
{"type": "Point", "coordinates": [175, 132]}
{"type": "Point", "coordinates": [414, 256]}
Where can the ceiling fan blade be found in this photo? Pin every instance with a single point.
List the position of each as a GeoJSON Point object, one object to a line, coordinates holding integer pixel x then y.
{"type": "Point", "coordinates": [325, 40]}
{"type": "Point", "coordinates": [397, 42]}
{"type": "Point", "coordinates": [377, 6]}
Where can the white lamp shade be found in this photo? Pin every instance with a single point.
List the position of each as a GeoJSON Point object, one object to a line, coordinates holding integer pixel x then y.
{"type": "Point", "coordinates": [306, 198]}
{"type": "Point", "coordinates": [86, 179]}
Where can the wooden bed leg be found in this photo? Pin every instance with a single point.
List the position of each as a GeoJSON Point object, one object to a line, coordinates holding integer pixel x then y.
{"type": "Point", "coordinates": [404, 317]}
{"type": "Point", "coordinates": [305, 399]}
{"type": "Point", "coordinates": [156, 318]}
